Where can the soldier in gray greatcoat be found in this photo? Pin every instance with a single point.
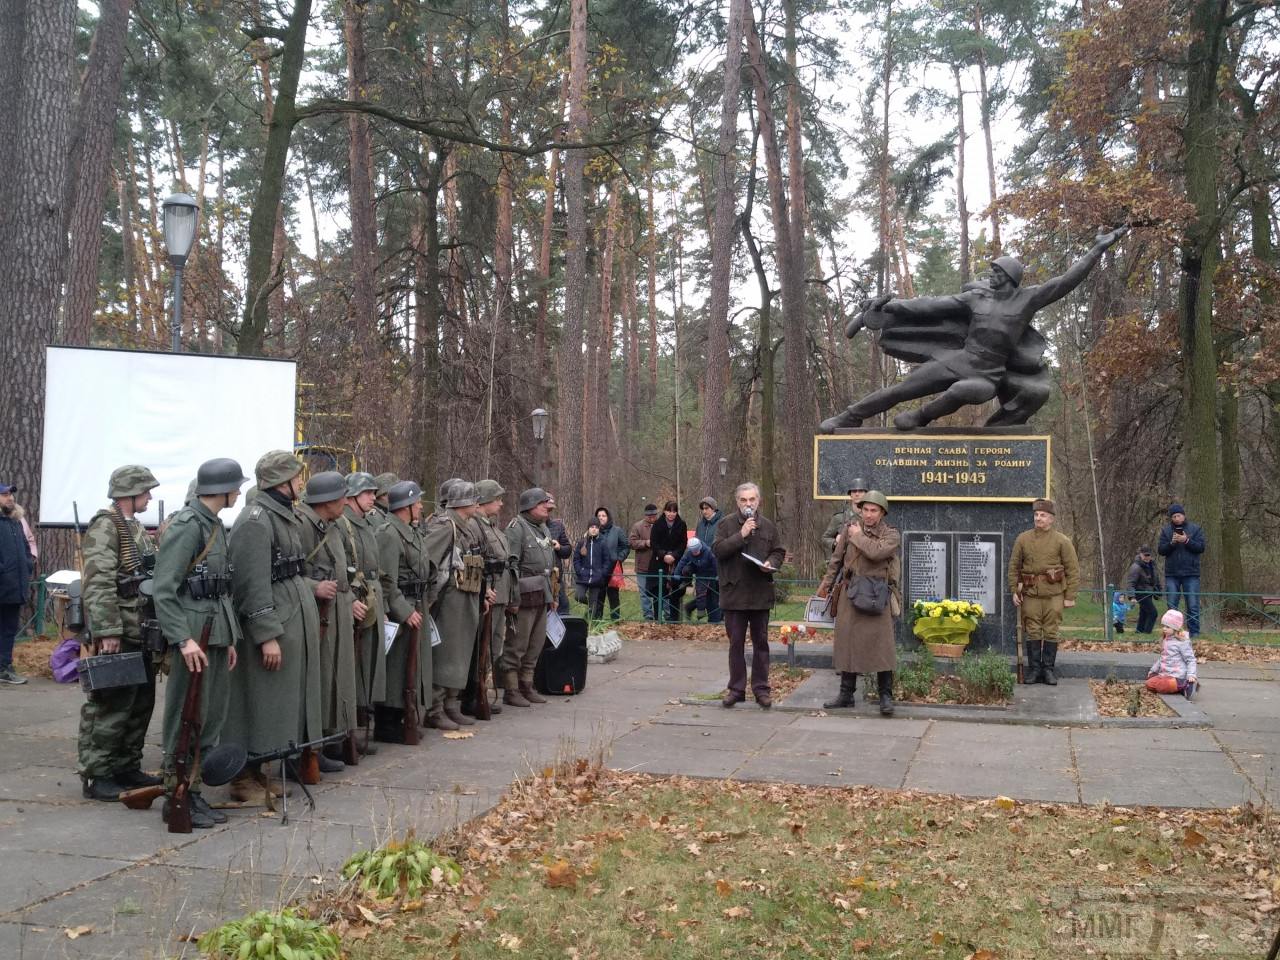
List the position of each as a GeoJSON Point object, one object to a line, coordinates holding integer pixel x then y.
{"type": "Point", "coordinates": [368, 585]}
{"type": "Point", "coordinates": [498, 576]}
{"type": "Point", "coordinates": [454, 547]}
{"type": "Point", "coordinates": [531, 551]}
{"type": "Point", "coordinates": [326, 570]}
{"type": "Point", "coordinates": [275, 693]}
{"type": "Point", "coordinates": [411, 591]}
{"type": "Point", "coordinates": [192, 587]}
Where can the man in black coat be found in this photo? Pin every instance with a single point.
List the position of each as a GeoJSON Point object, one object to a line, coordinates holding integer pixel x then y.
{"type": "Point", "coordinates": [15, 580]}
{"type": "Point", "coordinates": [749, 551]}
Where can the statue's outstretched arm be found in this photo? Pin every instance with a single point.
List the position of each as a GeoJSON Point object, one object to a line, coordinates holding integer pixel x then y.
{"type": "Point", "coordinates": [1059, 287]}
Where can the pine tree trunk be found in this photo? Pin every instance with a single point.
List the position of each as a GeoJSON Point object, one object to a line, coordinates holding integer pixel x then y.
{"type": "Point", "coordinates": [651, 264]}
{"type": "Point", "coordinates": [984, 104]}
{"type": "Point", "coordinates": [962, 203]}
{"type": "Point", "coordinates": [715, 415]}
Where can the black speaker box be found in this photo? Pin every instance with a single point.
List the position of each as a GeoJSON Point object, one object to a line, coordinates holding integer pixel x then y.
{"type": "Point", "coordinates": [562, 671]}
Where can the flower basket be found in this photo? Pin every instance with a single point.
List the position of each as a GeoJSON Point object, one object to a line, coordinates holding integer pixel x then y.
{"type": "Point", "coordinates": [945, 626]}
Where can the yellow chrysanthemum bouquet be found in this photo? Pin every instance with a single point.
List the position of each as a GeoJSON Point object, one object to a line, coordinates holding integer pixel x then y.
{"type": "Point", "coordinates": [945, 621]}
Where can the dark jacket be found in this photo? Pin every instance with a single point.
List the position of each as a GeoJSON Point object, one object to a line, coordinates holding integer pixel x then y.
{"type": "Point", "coordinates": [592, 561]}
{"type": "Point", "coordinates": [1142, 577]}
{"type": "Point", "coordinates": [667, 538]}
{"type": "Point", "coordinates": [641, 531]}
{"type": "Point", "coordinates": [612, 534]}
{"type": "Point", "coordinates": [743, 585]}
{"type": "Point", "coordinates": [701, 565]}
{"type": "Point", "coordinates": [706, 531]}
{"type": "Point", "coordinates": [15, 561]}
{"type": "Point", "coordinates": [1182, 559]}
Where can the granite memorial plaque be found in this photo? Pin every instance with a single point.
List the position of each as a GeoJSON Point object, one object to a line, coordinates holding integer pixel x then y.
{"type": "Point", "coordinates": [977, 567]}
{"type": "Point", "coordinates": [927, 567]}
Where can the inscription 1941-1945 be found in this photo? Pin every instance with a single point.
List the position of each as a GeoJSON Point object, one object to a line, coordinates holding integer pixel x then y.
{"type": "Point", "coordinates": [913, 467]}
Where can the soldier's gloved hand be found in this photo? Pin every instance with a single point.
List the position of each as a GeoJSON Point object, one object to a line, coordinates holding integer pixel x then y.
{"type": "Point", "coordinates": [359, 611]}
{"type": "Point", "coordinates": [194, 657]}
{"type": "Point", "coordinates": [326, 589]}
{"type": "Point", "coordinates": [271, 655]}
{"type": "Point", "coordinates": [414, 620]}
{"type": "Point", "coordinates": [108, 644]}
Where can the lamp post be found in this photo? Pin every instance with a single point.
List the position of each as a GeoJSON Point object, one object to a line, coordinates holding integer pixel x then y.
{"type": "Point", "coordinates": [539, 418]}
{"type": "Point", "coordinates": [181, 213]}
{"type": "Point", "coordinates": [724, 466]}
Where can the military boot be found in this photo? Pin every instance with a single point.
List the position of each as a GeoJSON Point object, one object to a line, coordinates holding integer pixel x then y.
{"type": "Point", "coordinates": [134, 777]}
{"type": "Point", "coordinates": [884, 683]}
{"type": "Point", "coordinates": [1031, 673]}
{"type": "Point", "coordinates": [199, 820]}
{"type": "Point", "coordinates": [453, 710]}
{"type": "Point", "coordinates": [848, 688]}
{"type": "Point", "coordinates": [101, 788]}
{"type": "Point", "coordinates": [198, 802]}
{"type": "Point", "coordinates": [1049, 664]}
{"type": "Point", "coordinates": [527, 691]}
{"type": "Point", "coordinates": [438, 720]}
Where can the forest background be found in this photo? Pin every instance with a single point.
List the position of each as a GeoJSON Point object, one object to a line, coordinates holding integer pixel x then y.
{"type": "Point", "coordinates": [654, 218]}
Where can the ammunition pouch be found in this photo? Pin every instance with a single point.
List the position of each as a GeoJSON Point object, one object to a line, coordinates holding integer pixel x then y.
{"type": "Point", "coordinates": [204, 585]}
{"type": "Point", "coordinates": [494, 568]}
{"type": "Point", "coordinates": [1055, 574]}
{"type": "Point", "coordinates": [282, 568]}
{"type": "Point", "coordinates": [529, 586]}
{"type": "Point", "coordinates": [470, 579]}
{"type": "Point", "coordinates": [129, 585]}
{"type": "Point", "coordinates": [412, 589]}
{"type": "Point", "coordinates": [152, 636]}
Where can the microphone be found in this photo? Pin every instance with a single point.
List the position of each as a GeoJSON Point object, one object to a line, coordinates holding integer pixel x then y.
{"type": "Point", "coordinates": [749, 513]}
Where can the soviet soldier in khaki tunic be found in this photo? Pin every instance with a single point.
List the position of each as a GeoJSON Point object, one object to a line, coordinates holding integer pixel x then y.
{"type": "Point", "coordinates": [453, 546]}
{"type": "Point", "coordinates": [325, 563]}
{"type": "Point", "coordinates": [498, 576]}
{"type": "Point", "coordinates": [119, 556]}
{"type": "Point", "coordinates": [368, 581]}
{"type": "Point", "coordinates": [1044, 576]}
{"type": "Point", "coordinates": [192, 588]}
{"type": "Point", "coordinates": [275, 693]}
{"type": "Point", "coordinates": [532, 555]}
{"type": "Point", "coordinates": [411, 591]}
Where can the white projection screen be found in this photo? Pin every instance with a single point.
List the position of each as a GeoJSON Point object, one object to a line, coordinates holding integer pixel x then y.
{"type": "Point", "coordinates": [167, 411]}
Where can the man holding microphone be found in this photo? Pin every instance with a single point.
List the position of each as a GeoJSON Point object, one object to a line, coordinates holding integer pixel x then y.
{"type": "Point", "coordinates": [749, 551]}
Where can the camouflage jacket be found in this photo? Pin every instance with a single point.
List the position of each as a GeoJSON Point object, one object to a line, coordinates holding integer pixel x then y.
{"type": "Point", "coordinates": [533, 552]}
{"type": "Point", "coordinates": [107, 612]}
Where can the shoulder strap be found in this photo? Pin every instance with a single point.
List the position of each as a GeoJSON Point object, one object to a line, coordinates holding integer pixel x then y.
{"type": "Point", "coordinates": [207, 547]}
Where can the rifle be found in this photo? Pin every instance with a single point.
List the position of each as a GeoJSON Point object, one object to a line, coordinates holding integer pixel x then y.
{"type": "Point", "coordinates": [480, 707]}
{"type": "Point", "coordinates": [1018, 608]}
{"type": "Point", "coordinates": [188, 743]}
{"type": "Point", "coordinates": [412, 719]}
{"type": "Point", "coordinates": [350, 756]}
{"type": "Point", "coordinates": [364, 715]}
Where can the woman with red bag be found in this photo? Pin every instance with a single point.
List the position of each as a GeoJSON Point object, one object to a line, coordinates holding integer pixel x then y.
{"type": "Point", "coordinates": [620, 545]}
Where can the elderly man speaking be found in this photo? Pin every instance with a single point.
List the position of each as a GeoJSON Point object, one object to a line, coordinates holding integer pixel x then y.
{"type": "Point", "coordinates": [749, 551]}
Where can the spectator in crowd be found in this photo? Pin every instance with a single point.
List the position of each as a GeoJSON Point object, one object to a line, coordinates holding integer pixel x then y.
{"type": "Point", "coordinates": [564, 547]}
{"type": "Point", "coordinates": [641, 534]}
{"type": "Point", "coordinates": [711, 516]}
{"type": "Point", "coordinates": [698, 566]}
{"type": "Point", "coordinates": [1142, 586]}
{"type": "Point", "coordinates": [592, 565]}
{"type": "Point", "coordinates": [668, 540]}
{"type": "Point", "coordinates": [749, 551]}
{"type": "Point", "coordinates": [15, 579]}
{"type": "Point", "coordinates": [1119, 611]}
{"type": "Point", "coordinates": [1181, 544]}
{"type": "Point", "coordinates": [619, 545]}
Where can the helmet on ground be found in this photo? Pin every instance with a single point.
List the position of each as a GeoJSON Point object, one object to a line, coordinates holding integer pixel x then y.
{"type": "Point", "coordinates": [219, 476]}
{"type": "Point", "coordinates": [131, 481]}
{"type": "Point", "coordinates": [462, 493]}
{"type": "Point", "coordinates": [876, 497]}
{"type": "Point", "coordinates": [325, 487]}
{"type": "Point", "coordinates": [532, 497]}
{"type": "Point", "coordinates": [403, 494]}
{"type": "Point", "coordinates": [488, 491]}
{"type": "Point", "coordinates": [359, 482]}
{"type": "Point", "coordinates": [276, 467]}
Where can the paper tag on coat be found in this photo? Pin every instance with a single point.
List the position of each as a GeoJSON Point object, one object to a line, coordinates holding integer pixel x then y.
{"type": "Point", "coordinates": [389, 631]}
{"type": "Point", "coordinates": [436, 639]}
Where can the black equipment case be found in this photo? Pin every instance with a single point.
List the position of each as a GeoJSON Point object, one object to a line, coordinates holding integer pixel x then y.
{"type": "Point", "coordinates": [562, 671]}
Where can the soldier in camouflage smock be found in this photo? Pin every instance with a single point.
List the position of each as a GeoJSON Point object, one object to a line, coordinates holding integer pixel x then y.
{"type": "Point", "coordinates": [453, 546]}
{"type": "Point", "coordinates": [531, 551]}
{"type": "Point", "coordinates": [119, 557]}
{"type": "Point", "coordinates": [411, 589]}
{"type": "Point", "coordinates": [192, 588]}
{"type": "Point", "coordinates": [275, 694]}
{"type": "Point", "coordinates": [369, 583]}
{"type": "Point", "coordinates": [325, 563]}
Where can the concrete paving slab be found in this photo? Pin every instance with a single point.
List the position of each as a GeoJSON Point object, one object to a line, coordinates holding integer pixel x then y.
{"type": "Point", "coordinates": [878, 771]}
{"type": "Point", "coordinates": [1150, 739]}
{"type": "Point", "coordinates": [1243, 705]}
{"type": "Point", "coordinates": [124, 835]}
{"type": "Point", "coordinates": [301, 848]}
{"type": "Point", "coordinates": [653, 757]}
{"type": "Point", "coordinates": [852, 740]}
{"type": "Point", "coordinates": [745, 737]}
{"type": "Point", "coordinates": [28, 877]}
{"type": "Point", "coordinates": [989, 761]}
{"type": "Point", "coordinates": [41, 784]}
{"type": "Point", "coordinates": [1136, 775]}
{"type": "Point", "coordinates": [856, 724]}
{"type": "Point", "coordinates": [25, 751]}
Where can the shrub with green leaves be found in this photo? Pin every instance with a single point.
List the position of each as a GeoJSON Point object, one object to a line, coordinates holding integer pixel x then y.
{"type": "Point", "coordinates": [986, 675]}
{"type": "Point", "coordinates": [916, 678]}
{"type": "Point", "coordinates": [401, 868]}
{"type": "Point", "coordinates": [264, 935]}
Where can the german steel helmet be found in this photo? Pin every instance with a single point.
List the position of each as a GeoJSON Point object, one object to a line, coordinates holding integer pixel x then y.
{"type": "Point", "coordinates": [462, 493]}
{"type": "Point", "coordinates": [219, 476]}
{"type": "Point", "coordinates": [442, 492]}
{"type": "Point", "coordinates": [276, 467]}
{"type": "Point", "coordinates": [359, 482]}
{"type": "Point", "coordinates": [532, 497]}
{"type": "Point", "coordinates": [876, 497]}
{"type": "Point", "coordinates": [131, 481]}
{"type": "Point", "coordinates": [488, 491]}
{"type": "Point", "coordinates": [403, 494]}
{"type": "Point", "coordinates": [385, 482]}
{"type": "Point", "coordinates": [325, 487]}
{"type": "Point", "coordinates": [1011, 267]}
{"type": "Point", "coordinates": [857, 483]}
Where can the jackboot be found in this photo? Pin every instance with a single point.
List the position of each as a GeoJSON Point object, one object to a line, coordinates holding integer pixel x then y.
{"type": "Point", "coordinates": [1031, 672]}
{"type": "Point", "coordinates": [848, 688]}
{"type": "Point", "coordinates": [199, 820]}
{"type": "Point", "coordinates": [527, 691]}
{"type": "Point", "coordinates": [134, 777]}
{"type": "Point", "coordinates": [453, 710]}
{"type": "Point", "coordinates": [512, 697]}
{"type": "Point", "coordinates": [495, 706]}
{"type": "Point", "coordinates": [198, 802]}
{"type": "Point", "coordinates": [1049, 664]}
{"type": "Point", "coordinates": [884, 683]}
{"type": "Point", "coordinates": [437, 719]}
{"type": "Point", "coordinates": [101, 788]}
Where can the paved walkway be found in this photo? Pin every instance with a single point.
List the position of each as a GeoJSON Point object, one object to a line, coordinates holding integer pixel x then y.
{"type": "Point", "coordinates": [69, 862]}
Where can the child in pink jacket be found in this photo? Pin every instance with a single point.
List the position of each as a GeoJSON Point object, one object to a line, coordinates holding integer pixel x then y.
{"type": "Point", "coordinates": [1175, 671]}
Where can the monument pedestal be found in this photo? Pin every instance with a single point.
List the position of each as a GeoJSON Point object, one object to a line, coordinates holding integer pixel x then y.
{"type": "Point", "coordinates": [959, 497]}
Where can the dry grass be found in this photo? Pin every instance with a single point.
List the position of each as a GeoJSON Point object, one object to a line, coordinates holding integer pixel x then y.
{"type": "Point", "coordinates": [586, 864]}
{"type": "Point", "coordinates": [31, 657]}
{"type": "Point", "coordinates": [951, 689]}
{"type": "Point", "coordinates": [1115, 698]}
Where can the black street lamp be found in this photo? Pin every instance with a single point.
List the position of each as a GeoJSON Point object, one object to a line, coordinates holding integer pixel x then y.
{"type": "Point", "coordinates": [539, 418]}
{"type": "Point", "coordinates": [181, 214]}
{"type": "Point", "coordinates": [724, 466]}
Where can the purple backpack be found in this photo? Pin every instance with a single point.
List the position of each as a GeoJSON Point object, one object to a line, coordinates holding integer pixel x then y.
{"type": "Point", "coordinates": [63, 661]}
